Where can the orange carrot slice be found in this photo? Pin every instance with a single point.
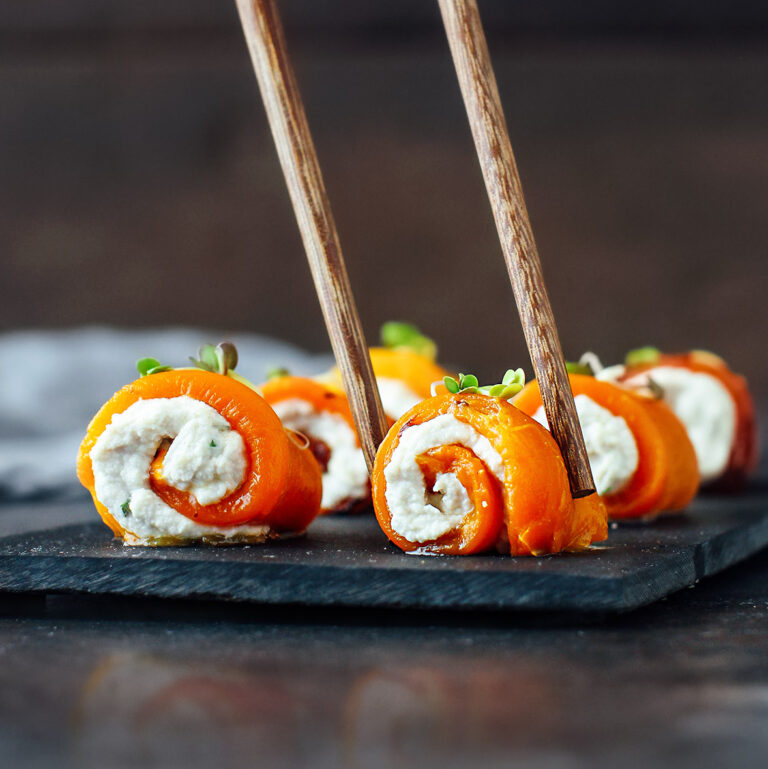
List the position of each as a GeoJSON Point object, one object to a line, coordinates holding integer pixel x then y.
{"type": "Point", "coordinates": [744, 452]}
{"type": "Point", "coordinates": [479, 531]}
{"type": "Point", "coordinates": [322, 398]}
{"type": "Point", "coordinates": [417, 372]}
{"type": "Point", "coordinates": [528, 512]}
{"type": "Point", "coordinates": [666, 478]}
{"type": "Point", "coordinates": [281, 488]}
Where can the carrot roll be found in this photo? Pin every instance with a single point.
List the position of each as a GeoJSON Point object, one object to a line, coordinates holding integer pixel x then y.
{"type": "Point", "coordinates": [404, 378]}
{"type": "Point", "coordinates": [188, 455]}
{"type": "Point", "coordinates": [711, 401]}
{"type": "Point", "coordinates": [404, 366]}
{"type": "Point", "coordinates": [322, 414]}
{"type": "Point", "coordinates": [642, 461]}
{"type": "Point", "coordinates": [465, 472]}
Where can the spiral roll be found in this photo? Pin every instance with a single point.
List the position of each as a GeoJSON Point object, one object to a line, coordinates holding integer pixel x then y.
{"type": "Point", "coordinates": [663, 476]}
{"type": "Point", "coordinates": [467, 473]}
{"type": "Point", "coordinates": [190, 455]}
{"type": "Point", "coordinates": [322, 413]}
{"type": "Point", "coordinates": [713, 403]}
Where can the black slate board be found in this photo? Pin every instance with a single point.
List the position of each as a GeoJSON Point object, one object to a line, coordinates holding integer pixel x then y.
{"type": "Point", "coordinates": [348, 562]}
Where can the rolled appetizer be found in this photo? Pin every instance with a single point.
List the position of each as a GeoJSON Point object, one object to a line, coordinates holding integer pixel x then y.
{"type": "Point", "coordinates": [642, 460]}
{"type": "Point", "coordinates": [404, 366]}
{"type": "Point", "coordinates": [467, 472]}
{"type": "Point", "coordinates": [322, 413]}
{"type": "Point", "coordinates": [711, 401]}
{"type": "Point", "coordinates": [197, 455]}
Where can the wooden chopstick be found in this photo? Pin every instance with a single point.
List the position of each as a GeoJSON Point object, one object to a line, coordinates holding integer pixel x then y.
{"type": "Point", "coordinates": [497, 161]}
{"type": "Point", "coordinates": [287, 119]}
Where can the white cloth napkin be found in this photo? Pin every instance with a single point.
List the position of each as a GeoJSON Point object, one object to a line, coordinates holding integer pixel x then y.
{"type": "Point", "coordinates": [53, 382]}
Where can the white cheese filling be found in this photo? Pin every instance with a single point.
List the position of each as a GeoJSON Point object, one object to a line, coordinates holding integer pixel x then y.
{"type": "Point", "coordinates": [346, 477]}
{"type": "Point", "coordinates": [611, 447]}
{"type": "Point", "coordinates": [417, 514]}
{"type": "Point", "coordinates": [396, 396]}
{"type": "Point", "coordinates": [207, 459]}
{"type": "Point", "coordinates": [704, 405]}
{"type": "Point", "coordinates": [611, 373]}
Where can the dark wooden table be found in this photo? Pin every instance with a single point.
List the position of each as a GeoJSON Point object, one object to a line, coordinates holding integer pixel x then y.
{"type": "Point", "coordinates": [123, 683]}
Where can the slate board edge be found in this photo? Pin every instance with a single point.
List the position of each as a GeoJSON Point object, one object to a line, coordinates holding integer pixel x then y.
{"type": "Point", "coordinates": [287, 584]}
{"type": "Point", "coordinates": [730, 547]}
{"type": "Point", "coordinates": [705, 560]}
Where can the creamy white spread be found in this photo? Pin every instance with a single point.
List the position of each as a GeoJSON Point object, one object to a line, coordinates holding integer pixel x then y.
{"type": "Point", "coordinates": [346, 477]}
{"type": "Point", "coordinates": [704, 405]}
{"type": "Point", "coordinates": [611, 447]}
{"type": "Point", "coordinates": [396, 396]}
{"type": "Point", "coordinates": [420, 515]}
{"type": "Point", "coordinates": [611, 373]}
{"type": "Point", "coordinates": [206, 458]}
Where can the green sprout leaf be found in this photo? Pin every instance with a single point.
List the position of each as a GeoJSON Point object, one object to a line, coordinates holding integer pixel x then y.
{"type": "Point", "coordinates": [143, 365]}
{"type": "Point", "coordinates": [213, 444]}
{"type": "Point", "coordinates": [577, 367]}
{"type": "Point", "coordinates": [642, 356]}
{"type": "Point", "coordinates": [201, 364]}
{"type": "Point", "coordinates": [511, 383]}
{"type": "Point", "coordinates": [513, 376]}
{"type": "Point", "coordinates": [126, 507]}
{"type": "Point", "coordinates": [220, 359]}
{"type": "Point", "coordinates": [276, 372]}
{"type": "Point", "coordinates": [468, 383]}
{"type": "Point", "coordinates": [510, 391]}
{"type": "Point", "coordinates": [147, 366]}
{"type": "Point", "coordinates": [396, 335]}
{"type": "Point", "coordinates": [208, 356]}
{"type": "Point", "coordinates": [226, 355]}
{"type": "Point", "coordinates": [451, 384]}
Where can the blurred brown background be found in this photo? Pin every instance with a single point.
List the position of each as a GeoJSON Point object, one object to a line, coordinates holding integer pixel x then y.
{"type": "Point", "coordinates": [140, 185]}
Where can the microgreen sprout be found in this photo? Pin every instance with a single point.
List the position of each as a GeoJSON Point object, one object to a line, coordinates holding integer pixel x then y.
{"type": "Point", "coordinates": [396, 335]}
{"type": "Point", "coordinates": [588, 364]}
{"type": "Point", "coordinates": [451, 384]}
{"type": "Point", "coordinates": [577, 367]}
{"type": "Point", "coordinates": [642, 356]}
{"type": "Point", "coordinates": [147, 366]}
{"type": "Point", "coordinates": [464, 383]}
{"type": "Point", "coordinates": [276, 372]}
{"type": "Point", "coordinates": [207, 359]}
{"type": "Point", "coordinates": [126, 507]}
{"type": "Point", "coordinates": [511, 383]}
{"type": "Point", "coordinates": [220, 359]}
{"type": "Point", "coordinates": [213, 444]}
